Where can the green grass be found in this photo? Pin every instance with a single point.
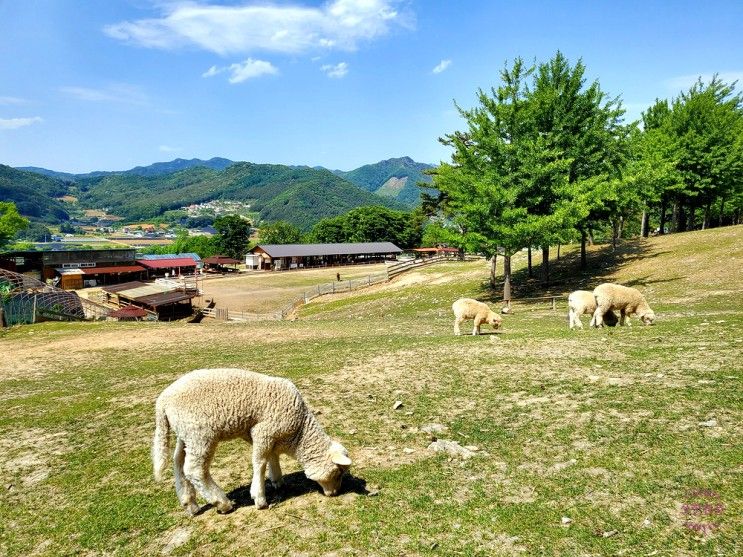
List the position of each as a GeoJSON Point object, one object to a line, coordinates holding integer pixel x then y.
{"type": "Point", "coordinates": [601, 426]}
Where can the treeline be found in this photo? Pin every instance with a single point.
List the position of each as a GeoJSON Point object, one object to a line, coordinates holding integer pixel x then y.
{"type": "Point", "coordinates": [545, 158]}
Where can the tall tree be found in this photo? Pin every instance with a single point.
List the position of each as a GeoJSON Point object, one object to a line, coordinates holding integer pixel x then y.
{"type": "Point", "coordinates": [279, 232]}
{"type": "Point", "coordinates": [233, 235]}
{"type": "Point", "coordinates": [10, 222]}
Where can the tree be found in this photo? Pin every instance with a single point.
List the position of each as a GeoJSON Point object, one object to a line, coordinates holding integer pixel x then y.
{"type": "Point", "coordinates": [373, 224]}
{"type": "Point", "coordinates": [534, 162]}
{"type": "Point", "coordinates": [35, 232]}
{"type": "Point", "coordinates": [10, 222]}
{"type": "Point", "coordinates": [279, 232]}
{"type": "Point", "coordinates": [233, 235]}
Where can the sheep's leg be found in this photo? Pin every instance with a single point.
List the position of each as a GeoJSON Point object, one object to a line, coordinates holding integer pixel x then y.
{"type": "Point", "coordinates": [598, 317]}
{"type": "Point", "coordinates": [183, 488]}
{"type": "Point", "coordinates": [476, 328]}
{"type": "Point", "coordinates": [196, 467]}
{"type": "Point", "coordinates": [261, 456]}
{"type": "Point", "coordinates": [274, 471]}
{"type": "Point", "coordinates": [457, 321]}
{"type": "Point", "coordinates": [623, 318]}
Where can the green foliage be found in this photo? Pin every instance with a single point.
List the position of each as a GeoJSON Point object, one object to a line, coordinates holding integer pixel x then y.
{"type": "Point", "coordinates": [234, 235]}
{"type": "Point", "coordinates": [204, 246]}
{"type": "Point", "coordinates": [34, 195]}
{"type": "Point", "coordinates": [372, 224]}
{"type": "Point", "coordinates": [279, 232]}
{"type": "Point", "coordinates": [35, 232]}
{"type": "Point", "coordinates": [10, 222]}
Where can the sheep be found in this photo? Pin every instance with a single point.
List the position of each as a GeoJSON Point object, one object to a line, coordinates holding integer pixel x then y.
{"type": "Point", "coordinates": [206, 406]}
{"type": "Point", "coordinates": [467, 308]}
{"type": "Point", "coordinates": [626, 300]}
{"type": "Point", "coordinates": [582, 302]}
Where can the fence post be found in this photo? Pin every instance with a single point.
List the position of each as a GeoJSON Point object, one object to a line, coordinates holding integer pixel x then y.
{"type": "Point", "coordinates": [553, 303]}
{"type": "Point", "coordinates": [333, 287]}
{"type": "Point", "coordinates": [33, 315]}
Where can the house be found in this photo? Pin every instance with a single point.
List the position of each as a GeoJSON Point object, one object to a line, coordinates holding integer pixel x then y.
{"type": "Point", "coordinates": [279, 257]}
{"type": "Point", "coordinates": [170, 264]}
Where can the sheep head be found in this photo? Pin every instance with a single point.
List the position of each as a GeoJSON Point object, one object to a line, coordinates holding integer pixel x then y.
{"type": "Point", "coordinates": [494, 320]}
{"type": "Point", "coordinates": [329, 473]}
{"type": "Point", "coordinates": [647, 317]}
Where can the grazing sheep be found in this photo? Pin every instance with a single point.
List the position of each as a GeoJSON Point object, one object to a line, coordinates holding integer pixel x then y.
{"type": "Point", "coordinates": [467, 308]}
{"type": "Point", "coordinates": [624, 299]}
{"type": "Point", "coordinates": [207, 406]}
{"type": "Point", "coordinates": [582, 302]}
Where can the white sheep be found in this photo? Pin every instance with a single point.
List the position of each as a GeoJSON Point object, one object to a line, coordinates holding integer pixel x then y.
{"type": "Point", "coordinates": [467, 308]}
{"type": "Point", "coordinates": [207, 406]}
{"type": "Point", "coordinates": [620, 298]}
{"type": "Point", "coordinates": [583, 302]}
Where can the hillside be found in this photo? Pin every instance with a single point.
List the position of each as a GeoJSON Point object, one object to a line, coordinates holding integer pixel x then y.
{"type": "Point", "coordinates": [35, 195]}
{"type": "Point", "coordinates": [619, 441]}
{"type": "Point", "coordinates": [301, 196]}
{"type": "Point", "coordinates": [393, 178]}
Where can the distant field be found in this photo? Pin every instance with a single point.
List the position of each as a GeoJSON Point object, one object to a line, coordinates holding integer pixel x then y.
{"type": "Point", "coordinates": [267, 291]}
{"type": "Point", "coordinates": [623, 441]}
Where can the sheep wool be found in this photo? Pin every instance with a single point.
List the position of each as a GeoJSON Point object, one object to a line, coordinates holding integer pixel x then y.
{"type": "Point", "coordinates": [206, 406]}
{"type": "Point", "coordinates": [625, 300]}
{"type": "Point", "coordinates": [582, 302]}
{"type": "Point", "coordinates": [467, 308]}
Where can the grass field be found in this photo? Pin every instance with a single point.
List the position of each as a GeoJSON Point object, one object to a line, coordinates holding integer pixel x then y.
{"type": "Point", "coordinates": [621, 441]}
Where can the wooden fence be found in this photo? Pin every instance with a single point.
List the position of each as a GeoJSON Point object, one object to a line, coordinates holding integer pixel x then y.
{"type": "Point", "coordinates": [390, 272]}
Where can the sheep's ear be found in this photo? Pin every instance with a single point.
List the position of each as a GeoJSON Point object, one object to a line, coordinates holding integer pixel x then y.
{"type": "Point", "coordinates": [340, 459]}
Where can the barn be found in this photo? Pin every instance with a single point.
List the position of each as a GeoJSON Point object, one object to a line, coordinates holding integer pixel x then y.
{"type": "Point", "coordinates": [280, 257]}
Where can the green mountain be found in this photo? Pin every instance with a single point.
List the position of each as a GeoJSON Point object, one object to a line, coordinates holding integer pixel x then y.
{"type": "Point", "coordinates": [35, 195]}
{"type": "Point", "coordinates": [155, 169]}
{"type": "Point", "coordinates": [393, 178]}
{"type": "Point", "coordinates": [298, 195]}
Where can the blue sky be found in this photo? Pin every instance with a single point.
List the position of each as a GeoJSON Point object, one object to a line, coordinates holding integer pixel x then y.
{"type": "Point", "coordinates": [108, 85]}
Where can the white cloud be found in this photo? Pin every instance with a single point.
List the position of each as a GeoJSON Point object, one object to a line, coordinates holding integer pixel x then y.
{"type": "Point", "coordinates": [15, 123]}
{"type": "Point", "coordinates": [118, 93]}
{"type": "Point", "coordinates": [442, 66]}
{"type": "Point", "coordinates": [12, 100]}
{"type": "Point", "coordinates": [244, 29]}
{"type": "Point", "coordinates": [169, 149]}
{"type": "Point", "coordinates": [685, 82]}
{"type": "Point", "coordinates": [249, 69]}
{"type": "Point", "coordinates": [335, 71]}
{"type": "Point", "coordinates": [243, 71]}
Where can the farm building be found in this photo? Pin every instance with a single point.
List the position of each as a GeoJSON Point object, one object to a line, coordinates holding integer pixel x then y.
{"type": "Point", "coordinates": [432, 252]}
{"type": "Point", "coordinates": [280, 257]}
{"type": "Point", "coordinates": [170, 264]}
{"type": "Point", "coordinates": [164, 301]}
{"type": "Point", "coordinates": [73, 269]}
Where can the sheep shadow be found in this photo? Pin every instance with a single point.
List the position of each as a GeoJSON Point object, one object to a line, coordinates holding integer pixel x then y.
{"type": "Point", "coordinates": [296, 484]}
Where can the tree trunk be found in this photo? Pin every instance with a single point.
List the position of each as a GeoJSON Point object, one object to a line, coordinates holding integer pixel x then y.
{"type": "Point", "coordinates": [722, 206]}
{"type": "Point", "coordinates": [675, 216]}
{"type": "Point", "coordinates": [705, 220]}
{"type": "Point", "coordinates": [545, 265]}
{"type": "Point", "coordinates": [558, 251]}
{"type": "Point", "coordinates": [583, 260]}
{"type": "Point", "coordinates": [645, 226]}
{"type": "Point", "coordinates": [528, 259]}
{"type": "Point", "coordinates": [493, 269]}
{"type": "Point", "coordinates": [614, 229]}
{"type": "Point", "coordinates": [662, 227]}
{"type": "Point", "coordinates": [507, 279]}
{"type": "Point", "coordinates": [591, 241]}
{"type": "Point", "coordinates": [691, 217]}
{"type": "Point", "coordinates": [620, 232]}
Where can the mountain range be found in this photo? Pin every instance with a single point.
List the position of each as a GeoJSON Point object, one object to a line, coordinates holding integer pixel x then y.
{"type": "Point", "coordinates": [298, 194]}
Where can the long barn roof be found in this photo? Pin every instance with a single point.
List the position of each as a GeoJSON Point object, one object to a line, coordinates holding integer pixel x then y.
{"type": "Point", "coordinates": [308, 250]}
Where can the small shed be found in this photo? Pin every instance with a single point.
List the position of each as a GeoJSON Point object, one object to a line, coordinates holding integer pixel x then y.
{"type": "Point", "coordinates": [220, 263]}
{"type": "Point", "coordinates": [129, 313]}
{"type": "Point", "coordinates": [166, 302]}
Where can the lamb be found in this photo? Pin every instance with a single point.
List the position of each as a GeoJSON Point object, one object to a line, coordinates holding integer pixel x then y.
{"type": "Point", "coordinates": [582, 302]}
{"type": "Point", "coordinates": [467, 308]}
{"type": "Point", "coordinates": [626, 300]}
{"type": "Point", "coordinates": [207, 406]}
